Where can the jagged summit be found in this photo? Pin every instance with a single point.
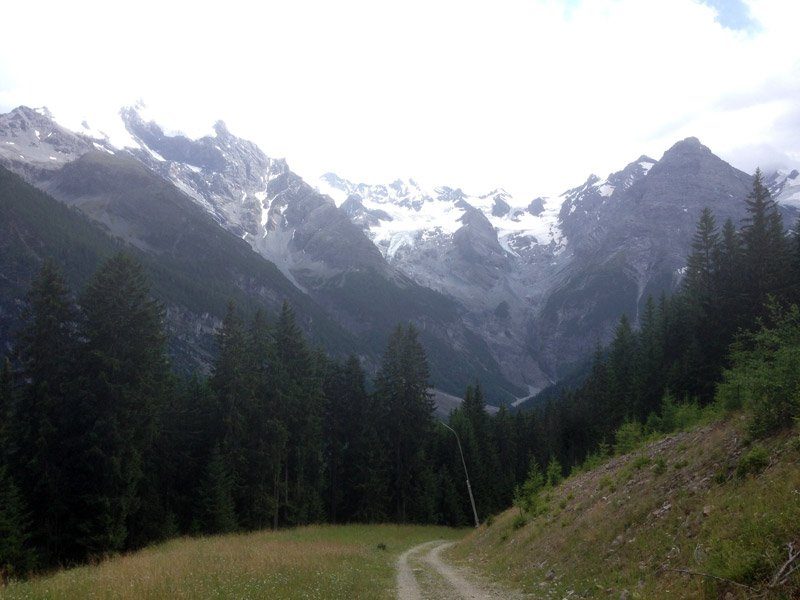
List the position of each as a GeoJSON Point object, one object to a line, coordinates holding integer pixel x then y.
{"type": "Point", "coordinates": [688, 147]}
{"type": "Point", "coordinates": [221, 129]}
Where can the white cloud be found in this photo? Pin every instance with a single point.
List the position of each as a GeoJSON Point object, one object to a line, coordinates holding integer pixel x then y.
{"type": "Point", "coordinates": [527, 95]}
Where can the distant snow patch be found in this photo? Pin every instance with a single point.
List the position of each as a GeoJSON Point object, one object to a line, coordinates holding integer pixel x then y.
{"type": "Point", "coordinates": [605, 190]}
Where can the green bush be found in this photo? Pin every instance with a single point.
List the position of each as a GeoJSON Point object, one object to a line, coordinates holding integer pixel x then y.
{"type": "Point", "coordinates": [554, 473]}
{"type": "Point", "coordinates": [593, 460]}
{"type": "Point", "coordinates": [527, 497]}
{"type": "Point", "coordinates": [765, 374]}
{"type": "Point", "coordinates": [678, 416]}
{"type": "Point", "coordinates": [628, 437]}
{"type": "Point", "coordinates": [755, 461]}
{"type": "Point", "coordinates": [519, 521]}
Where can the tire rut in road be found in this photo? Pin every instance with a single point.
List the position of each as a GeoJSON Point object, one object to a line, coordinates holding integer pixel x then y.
{"type": "Point", "coordinates": [455, 583]}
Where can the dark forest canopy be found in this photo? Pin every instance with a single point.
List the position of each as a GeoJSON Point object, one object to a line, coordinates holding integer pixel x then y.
{"type": "Point", "coordinates": [103, 448]}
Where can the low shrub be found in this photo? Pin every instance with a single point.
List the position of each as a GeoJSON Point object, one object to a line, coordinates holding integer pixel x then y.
{"type": "Point", "coordinates": [628, 437]}
{"type": "Point", "coordinates": [753, 462]}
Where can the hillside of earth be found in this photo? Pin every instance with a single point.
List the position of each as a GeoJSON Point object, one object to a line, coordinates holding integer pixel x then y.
{"type": "Point", "coordinates": [702, 513]}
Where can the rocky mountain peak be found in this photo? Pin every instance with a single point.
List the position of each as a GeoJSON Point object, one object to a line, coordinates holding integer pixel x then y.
{"type": "Point", "coordinates": [221, 129]}
{"type": "Point", "coordinates": [30, 140]}
{"type": "Point", "coordinates": [33, 116]}
{"type": "Point", "coordinates": [687, 150]}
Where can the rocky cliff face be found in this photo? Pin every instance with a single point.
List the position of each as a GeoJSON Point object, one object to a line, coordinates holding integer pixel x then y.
{"type": "Point", "coordinates": [629, 238]}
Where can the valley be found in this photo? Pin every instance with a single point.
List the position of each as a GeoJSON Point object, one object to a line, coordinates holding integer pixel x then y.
{"type": "Point", "coordinates": [400, 300]}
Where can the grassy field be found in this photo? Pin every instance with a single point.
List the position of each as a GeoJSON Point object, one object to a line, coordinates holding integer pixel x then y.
{"type": "Point", "coordinates": [703, 501]}
{"type": "Point", "coordinates": [309, 562]}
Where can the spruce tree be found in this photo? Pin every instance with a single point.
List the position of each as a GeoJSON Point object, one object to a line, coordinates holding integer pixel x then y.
{"type": "Point", "coordinates": [42, 430]}
{"type": "Point", "coordinates": [16, 557]}
{"type": "Point", "coordinates": [346, 436]}
{"type": "Point", "coordinates": [216, 512]}
{"type": "Point", "coordinates": [402, 387]}
{"type": "Point", "coordinates": [705, 347]}
{"type": "Point", "coordinates": [123, 385]}
{"type": "Point", "coordinates": [189, 428]}
{"type": "Point", "coordinates": [480, 450]}
{"type": "Point", "coordinates": [622, 370]}
{"type": "Point", "coordinates": [263, 437]}
{"type": "Point", "coordinates": [6, 410]}
{"type": "Point", "coordinates": [701, 266]}
{"type": "Point", "coordinates": [730, 280]}
{"type": "Point", "coordinates": [299, 384]}
{"type": "Point", "coordinates": [232, 388]}
{"type": "Point", "coordinates": [505, 445]}
{"type": "Point", "coordinates": [765, 248]}
{"type": "Point", "coordinates": [649, 379]}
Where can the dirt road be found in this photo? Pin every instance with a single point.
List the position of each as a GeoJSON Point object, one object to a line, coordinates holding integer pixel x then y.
{"type": "Point", "coordinates": [422, 573]}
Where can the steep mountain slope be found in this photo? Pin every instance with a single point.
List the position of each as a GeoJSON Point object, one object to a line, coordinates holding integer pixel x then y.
{"type": "Point", "coordinates": [195, 273]}
{"type": "Point", "coordinates": [784, 185]}
{"type": "Point", "coordinates": [144, 193]}
{"type": "Point", "coordinates": [661, 522]}
{"type": "Point", "coordinates": [631, 243]}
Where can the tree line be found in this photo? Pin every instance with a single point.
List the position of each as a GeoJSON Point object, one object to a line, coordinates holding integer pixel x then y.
{"type": "Point", "coordinates": [736, 281]}
{"type": "Point", "coordinates": [104, 449]}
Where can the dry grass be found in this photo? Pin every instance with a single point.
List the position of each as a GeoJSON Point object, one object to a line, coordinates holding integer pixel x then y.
{"type": "Point", "coordinates": [308, 562]}
{"type": "Point", "coordinates": [675, 504]}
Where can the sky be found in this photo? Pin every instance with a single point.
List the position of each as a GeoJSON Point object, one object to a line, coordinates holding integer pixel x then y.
{"type": "Point", "coordinates": [524, 94]}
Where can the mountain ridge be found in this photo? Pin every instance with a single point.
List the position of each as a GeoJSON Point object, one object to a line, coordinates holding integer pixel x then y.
{"type": "Point", "coordinates": [325, 256]}
{"type": "Point", "coordinates": [521, 288]}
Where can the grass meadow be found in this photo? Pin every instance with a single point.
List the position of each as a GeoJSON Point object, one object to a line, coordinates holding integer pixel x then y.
{"type": "Point", "coordinates": [326, 562]}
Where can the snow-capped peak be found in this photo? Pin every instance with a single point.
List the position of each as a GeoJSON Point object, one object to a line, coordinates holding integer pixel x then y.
{"type": "Point", "coordinates": [405, 212]}
{"type": "Point", "coordinates": [784, 185]}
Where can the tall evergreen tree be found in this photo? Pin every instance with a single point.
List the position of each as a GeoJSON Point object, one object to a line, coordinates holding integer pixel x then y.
{"type": "Point", "coordinates": [649, 379]}
{"type": "Point", "coordinates": [124, 373]}
{"type": "Point", "coordinates": [480, 450]}
{"type": "Point", "coordinates": [264, 436]}
{"type": "Point", "coordinates": [46, 349]}
{"type": "Point", "coordinates": [16, 557]}
{"type": "Point", "coordinates": [622, 370]}
{"type": "Point", "coordinates": [6, 410]}
{"type": "Point", "coordinates": [300, 386]}
{"type": "Point", "coordinates": [730, 279]}
{"type": "Point", "coordinates": [507, 449]}
{"type": "Point", "coordinates": [765, 247]}
{"type": "Point", "coordinates": [216, 512]}
{"type": "Point", "coordinates": [701, 266]}
{"type": "Point", "coordinates": [402, 388]}
{"type": "Point", "coordinates": [231, 385]}
{"type": "Point", "coordinates": [345, 414]}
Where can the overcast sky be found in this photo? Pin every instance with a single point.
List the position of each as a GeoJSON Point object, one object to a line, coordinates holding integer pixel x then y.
{"type": "Point", "coordinates": [528, 95]}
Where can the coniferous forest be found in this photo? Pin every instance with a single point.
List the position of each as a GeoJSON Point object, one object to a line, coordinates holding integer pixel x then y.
{"type": "Point", "coordinates": [104, 448]}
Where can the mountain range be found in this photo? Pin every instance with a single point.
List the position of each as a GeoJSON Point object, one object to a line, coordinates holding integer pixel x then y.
{"type": "Point", "coordinates": [510, 291]}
